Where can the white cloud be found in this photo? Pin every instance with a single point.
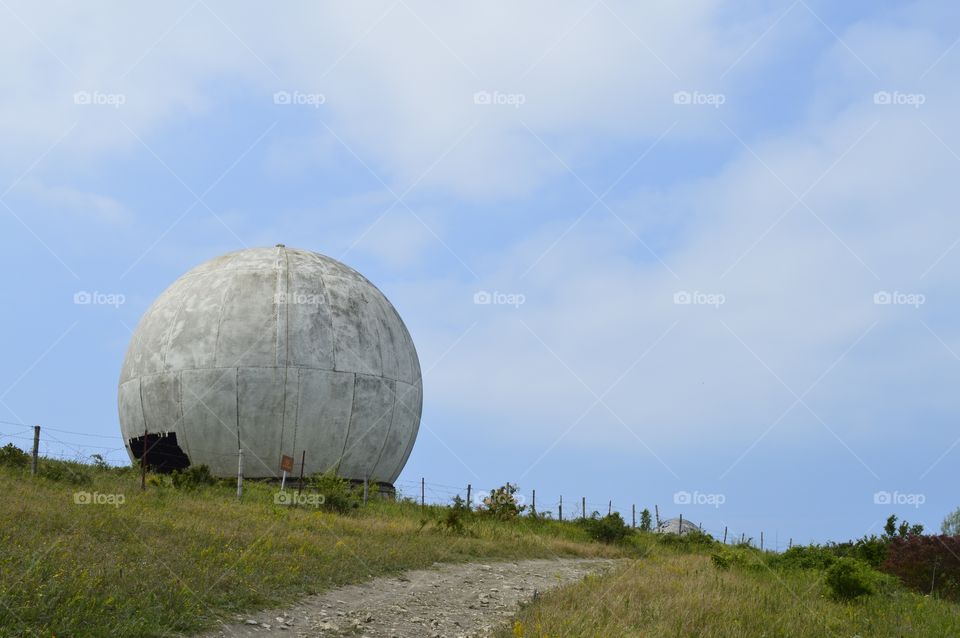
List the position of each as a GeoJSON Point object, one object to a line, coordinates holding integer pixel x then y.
{"type": "Point", "coordinates": [68, 203]}
{"type": "Point", "coordinates": [880, 201]}
{"type": "Point", "coordinates": [403, 100]}
{"type": "Point", "coordinates": [398, 79]}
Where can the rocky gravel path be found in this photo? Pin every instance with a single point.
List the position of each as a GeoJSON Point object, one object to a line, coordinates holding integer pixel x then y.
{"type": "Point", "coordinates": [448, 601]}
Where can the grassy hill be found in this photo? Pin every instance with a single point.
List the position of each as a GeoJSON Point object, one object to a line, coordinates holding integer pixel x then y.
{"type": "Point", "coordinates": [175, 560]}
{"type": "Point", "coordinates": [85, 552]}
{"type": "Point", "coordinates": [686, 595]}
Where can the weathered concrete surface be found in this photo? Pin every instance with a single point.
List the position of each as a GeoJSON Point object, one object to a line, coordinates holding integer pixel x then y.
{"type": "Point", "coordinates": [672, 526]}
{"type": "Point", "coordinates": [275, 351]}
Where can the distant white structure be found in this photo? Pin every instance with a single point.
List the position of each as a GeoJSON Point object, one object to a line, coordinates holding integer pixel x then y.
{"type": "Point", "coordinates": [673, 526]}
{"type": "Point", "coordinates": [275, 351]}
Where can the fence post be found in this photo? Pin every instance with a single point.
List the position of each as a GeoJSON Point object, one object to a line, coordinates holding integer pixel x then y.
{"type": "Point", "coordinates": [656, 509]}
{"type": "Point", "coordinates": [680, 529]}
{"type": "Point", "coordinates": [790, 544]}
{"type": "Point", "coordinates": [560, 508]}
{"type": "Point", "coordinates": [423, 493]}
{"type": "Point", "coordinates": [36, 450]}
{"type": "Point", "coordinates": [761, 541]}
{"type": "Point", "coordinates": [366, 489]}
{"type": "Point", "coordinates": [143, 461]}
{"type": "Point", "coordinates": [609, 508]}
{"type": "Point", "coordinates": [534, 505]}
{"type": "Point", "coordinates": [633, 515]}
{"type": "Point", "coordinates": [303, 460]}
{"type": "Point", "coordinates": [724, 534]}
{"type": "Point", "coordinates": [239, 473]}
{"type": "Point", "coordinates": [583, 506]}
{"type": "Point", "coordinates": [469, 497]}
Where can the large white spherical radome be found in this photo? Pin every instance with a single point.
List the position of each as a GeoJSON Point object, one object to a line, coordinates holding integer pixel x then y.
{"type": "Point", "coordinates": [275, 352]}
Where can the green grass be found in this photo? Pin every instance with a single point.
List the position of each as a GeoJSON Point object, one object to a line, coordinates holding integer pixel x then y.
{"type": "Point", "coordinates": [683, 595]}
{"type": "Point", "coordinates": [169, 561]}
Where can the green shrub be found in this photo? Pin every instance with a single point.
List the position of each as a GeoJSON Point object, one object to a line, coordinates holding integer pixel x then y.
{"type": "Point", "coordinates": [192, 478]}
{"type": "Point", "coordinates": [805, 557]}
{"type": "Point", "coordinates": [454, 517]}
{"type": "Point", "coordinates": [502, 503]}
{"type": "Point", "coordinates": [339, 494]}
{"type": "Point", "coordinates": [12, 456]}
{"type": "Point", "coordinates": [951, 524]}
{"type": "Point", "coordinates": [892, 530]}
{"type": "Point", "coordinates": [99, 462]}
{"type": "Point", "coordinates": [64, 472]}
{"type": "Point", "coordinates": [870, 549]}
{"type": "Point", "coordinates": [727, 557]}
{"type": "Point", "coordinates": [646, 522]}
{"type": "Point", "coordinates": [849, 578]}
{"type": "Point", "coordinates": [608, 529]}
{"type": "Point", "coordinates": [722, 559]}
{"type": "Point", "coordinates": [687, 541]}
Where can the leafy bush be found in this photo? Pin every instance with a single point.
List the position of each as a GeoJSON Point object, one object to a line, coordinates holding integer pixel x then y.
{"type": "Point", "coordinates": [646, 522]}
{"type": "Point", "coordinates": [805, 557]}
{"type": "Point", "coordinates": [454, 517]}
{"type": "Point", "coordinates": [891, 530]}
{"type": "Point", "coordinates": [687, 541]}
{"type": "Point", "coordinates": [192, 477]}
{"type": "Point", "coordinates": [609, 529]}
{"type": "Point", "coordinates": [12, 456]}
{"type": "Point", "coordinates": [928, 564]}
{"type": "Point", "coordinates": [724, 558]}
{"type": "Point", "coordinates": [65, 472]}
{"type": "Point", "coordinates": [871, 550]}
{"type": "Point", "coordinates": [537, 515]}
{"type": "Point", "coordinates": [339, 494]}
{"type": "Point", "coordinates": [99, 462]}
{"type": "Point", "coordinates": [502, 503]}
{"type": "Point", "coordinates": [849, 578]}
{"type": "Point", "coordinates": [951, 524]}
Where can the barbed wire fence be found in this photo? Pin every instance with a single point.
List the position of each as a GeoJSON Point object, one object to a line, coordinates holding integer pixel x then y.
{"type": "Point", "coordinates": [576, 509]}
{"type": "Point", "coordinates": [425, 492]}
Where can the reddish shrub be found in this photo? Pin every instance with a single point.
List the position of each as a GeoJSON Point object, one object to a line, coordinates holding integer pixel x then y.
{"type": "Point", "coordinates": [927, 564]}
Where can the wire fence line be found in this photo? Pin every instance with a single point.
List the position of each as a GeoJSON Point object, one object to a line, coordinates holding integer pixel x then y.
{"type": "Point", "coordinates": [426, 492]}
{"type": "Point", "coordinates": [573, 509]}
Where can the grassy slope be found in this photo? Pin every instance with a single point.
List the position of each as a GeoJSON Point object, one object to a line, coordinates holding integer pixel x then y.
{"type": "Point", "coordinates": [676, 595]}
{"type": "Point", "coordinates": [168, 562]}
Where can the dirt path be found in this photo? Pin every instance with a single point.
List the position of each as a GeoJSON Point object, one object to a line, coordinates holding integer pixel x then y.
{"type": "Point", "coordinates": [447, 601]}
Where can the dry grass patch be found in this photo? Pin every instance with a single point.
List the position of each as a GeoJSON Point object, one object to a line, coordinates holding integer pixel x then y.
{"type": "Point", "coordinates": [169, 561]}
{"type": "Point", "coordinates": [683, 596]}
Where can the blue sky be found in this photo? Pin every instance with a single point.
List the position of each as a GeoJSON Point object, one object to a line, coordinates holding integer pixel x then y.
{"type": "Point", "coordinates": [786, 167]}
